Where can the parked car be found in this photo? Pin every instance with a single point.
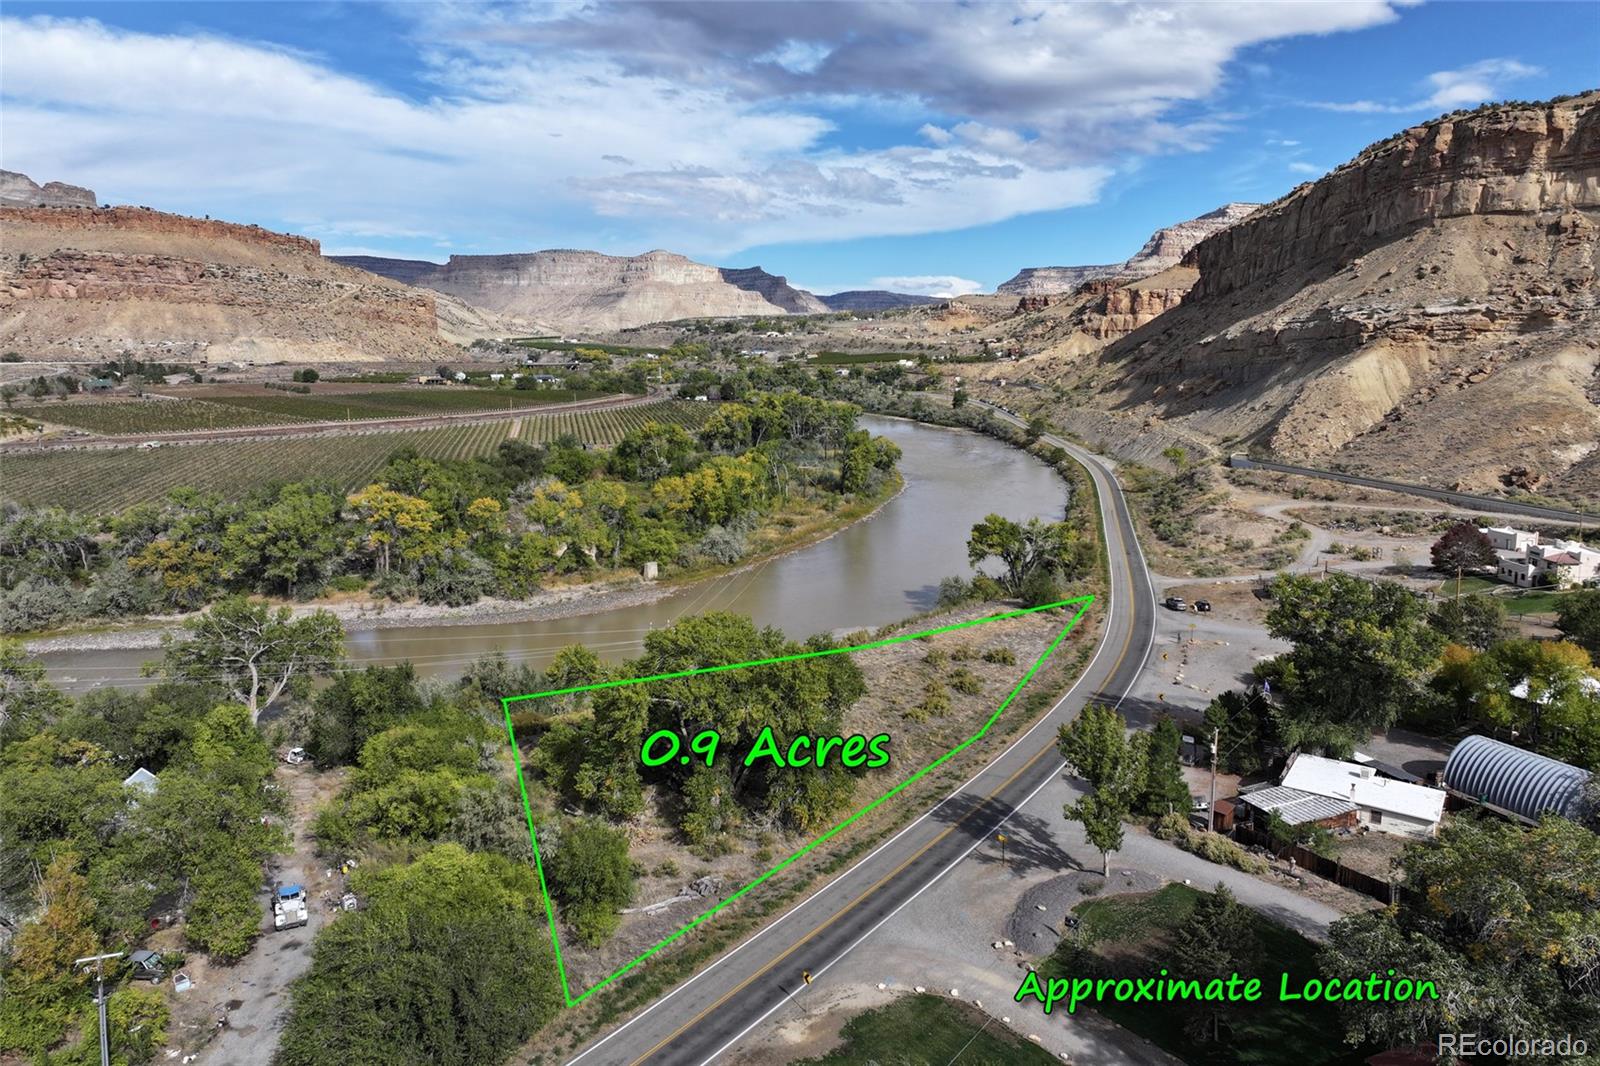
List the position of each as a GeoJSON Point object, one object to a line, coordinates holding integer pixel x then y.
{"type": "Point", "coordinates": [1203, 606]}
{"type": "Point", "coordinates": [1199, 803]}
{"type": "Point", "coordinates": [294, 756]}
{"type": "Point", "coordinates": [1176, 603]}
{"type": "Point", "coordinates": [146, 966]}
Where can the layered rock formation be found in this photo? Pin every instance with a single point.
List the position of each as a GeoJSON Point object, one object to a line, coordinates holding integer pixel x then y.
{"type": "Point", "coordinates": [1165, 248]}
{"type": "Point", "coordinates": [1429, 311]}
{"type": "Point", "coordinates": [587, 290]}
{"type": "Point", "coordinates": [80, 281]}
{"type": "Point", "coordinates": [19, 190]}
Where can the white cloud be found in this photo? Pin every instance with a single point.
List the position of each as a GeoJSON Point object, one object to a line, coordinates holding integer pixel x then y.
{"type": "Point", "coordinates": [1306, 168]}
{"type": "Point", "coordinates": [945, 285]}
{"type": "Point", "coordinates": [1451, 90]}
{"type": "Point", "coordinates": [701, 127]}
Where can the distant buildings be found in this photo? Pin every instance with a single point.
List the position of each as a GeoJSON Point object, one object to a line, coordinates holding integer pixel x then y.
{"type": "Point", "coordinates": [1526, 560]}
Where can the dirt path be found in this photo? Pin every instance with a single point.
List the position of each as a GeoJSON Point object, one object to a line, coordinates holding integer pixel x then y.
{"type": "Point", "coordinates": [254, 992]}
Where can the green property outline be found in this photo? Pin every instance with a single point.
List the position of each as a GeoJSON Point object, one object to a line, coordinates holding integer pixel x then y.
{"type": "Point", "coordinates": [1082, 602]}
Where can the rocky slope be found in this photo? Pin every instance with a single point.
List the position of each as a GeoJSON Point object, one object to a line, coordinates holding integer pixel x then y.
{"type": "Point", "coordinates": [574, 290]}
{"type": "Point", "coordinates": [1165, 248]}
{"type": "Point", "coordinates": [1428, 311]}
{"type": "Point", "coordinates": [19, 190]}
{"type": "Point", "coordinates": [87, 282]}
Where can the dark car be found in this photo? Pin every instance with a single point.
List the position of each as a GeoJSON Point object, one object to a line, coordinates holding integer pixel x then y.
{"type": "Point", "coordinates": [1203, 606]}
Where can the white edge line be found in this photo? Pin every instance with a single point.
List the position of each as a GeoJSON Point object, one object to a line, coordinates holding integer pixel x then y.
{"type": "Point", "coordinates": [862, 862]}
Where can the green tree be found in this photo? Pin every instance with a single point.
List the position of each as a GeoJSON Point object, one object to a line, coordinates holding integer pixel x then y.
{"type": "Point", "coordinates": [357, 706]}
{"type": "Point", "coordinates": [1217, 940]}
{"type": "Point", "coordinates": [1543, 691]}
{"type": "Point", "coordinates": [1028, 547]}
{"type": "Point", "coordinates": [290, 543]}
{"type": "Point", "coordinates": [27, 701]}
{"type": "Point", "coordinates": [258, 653]}
{"type": "Point", "coordinates": [448, 963]}
{"type": "Point", "coordinates": [1363, 653]}
{"type": "Point", "coordinates": [1505, 921]}
{"type": "Point", "coordinates": [591, 875]}
{"type": "Point", "coordinates": [1472, 621]}
{"type": "Point", "coordinates": [1101, 815]}
{"type": "Point", "coordinates": [1163, 789]}
{"type": "Point", "coordinates": [651, 452]}
{"type": "Point", "coordinates": [1578, 618]}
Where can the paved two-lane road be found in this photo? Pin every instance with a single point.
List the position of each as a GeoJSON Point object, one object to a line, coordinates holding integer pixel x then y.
{"type": "Point", "coordinates": [702, 1018]}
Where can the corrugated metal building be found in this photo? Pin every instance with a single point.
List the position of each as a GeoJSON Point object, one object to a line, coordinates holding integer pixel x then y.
{"type": "Point", "coordinates": [1514, 780]}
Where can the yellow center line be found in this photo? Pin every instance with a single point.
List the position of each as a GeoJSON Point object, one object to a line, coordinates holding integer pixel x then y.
{"type": "Point", "coordinates": [1127, 643]}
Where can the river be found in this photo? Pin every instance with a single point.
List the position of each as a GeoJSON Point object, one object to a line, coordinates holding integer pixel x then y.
{"type": "Point", "coordinates": [876, 571]}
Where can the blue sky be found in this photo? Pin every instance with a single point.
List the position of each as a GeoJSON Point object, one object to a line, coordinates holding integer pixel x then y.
{"type": "Point", "coordinates": [915, 146]}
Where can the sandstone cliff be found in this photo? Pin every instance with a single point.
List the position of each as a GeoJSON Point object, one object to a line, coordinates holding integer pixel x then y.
{"type": "Point", "coordinates": [587, 290]}
{"type": "Point", "coordinates": [1428, 311]}
{"type": "Point", "coordinates": [1165, 248]}
{"type": "Point", "coordinates": [876, 300]}
{"type": "Point", "coordinates": [80, 281]}
{"type": "Point", "coordinates": [19, 190]}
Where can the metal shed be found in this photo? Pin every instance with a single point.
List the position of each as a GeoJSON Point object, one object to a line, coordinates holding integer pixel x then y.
{"type": "Point", "coordinates": [1513, 779]}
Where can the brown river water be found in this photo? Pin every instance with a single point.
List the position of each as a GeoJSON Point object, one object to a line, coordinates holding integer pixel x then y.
{"type": "Point", "coordinates": [876, 571]}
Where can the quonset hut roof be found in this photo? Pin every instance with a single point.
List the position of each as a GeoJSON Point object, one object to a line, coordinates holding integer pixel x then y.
{"type": "Point", "coordinates": [1513, 779]}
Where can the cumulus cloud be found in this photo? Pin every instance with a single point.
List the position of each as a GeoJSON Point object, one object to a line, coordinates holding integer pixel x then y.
{"type": "Point", "coordinates": [943, 285]}
{"type": "Point", "coordinates": [1306, 168]}
{"type": "Point", "coordinates": [705, 127]}
{"type": "Point", "coordinates": [1450, 90]}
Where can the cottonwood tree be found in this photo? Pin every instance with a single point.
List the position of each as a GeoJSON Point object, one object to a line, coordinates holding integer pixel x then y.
{"type": "Point", "coordinates": [1025, 548]}
{"type": "Point", "coordinates": [1363, 653]}
{"type": "Point", "coordinates": [257, 652]}
{"type": "Point", "coordinates": [1578, 618]}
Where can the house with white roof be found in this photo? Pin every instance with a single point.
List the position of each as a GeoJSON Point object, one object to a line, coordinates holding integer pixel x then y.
{"type": "Point", "coordinates": [1527, 560]}
{"type": "Point", "coordinates": [1382, 803]}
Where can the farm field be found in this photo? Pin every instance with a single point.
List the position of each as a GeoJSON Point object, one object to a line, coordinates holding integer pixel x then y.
{"type": "Point", "coordinates": [103, 480]}
{"type": "Point", "coordinates": [263, 407]}
{"type": "Point", "coordinates": [115, 417]}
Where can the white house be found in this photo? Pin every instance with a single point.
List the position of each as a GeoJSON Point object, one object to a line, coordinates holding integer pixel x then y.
{"type": "Point", "coordinates": [1385, 805]}
{"type": "Point", "coordinates": [1526, 560]}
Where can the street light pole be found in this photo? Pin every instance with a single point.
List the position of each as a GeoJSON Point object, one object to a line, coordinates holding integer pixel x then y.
{"type": "Point", "coordinates": [100, 997]}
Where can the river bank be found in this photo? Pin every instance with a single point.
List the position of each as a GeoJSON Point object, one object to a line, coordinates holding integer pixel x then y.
{"type": "Point", "coordinates": [618, 590]}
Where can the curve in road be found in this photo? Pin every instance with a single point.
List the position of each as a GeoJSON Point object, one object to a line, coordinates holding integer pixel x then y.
{"type": "Point", "coordinates": [700, 1019]}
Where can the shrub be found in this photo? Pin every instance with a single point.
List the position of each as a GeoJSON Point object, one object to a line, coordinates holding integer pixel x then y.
{"type": "Point", "coordinates": [965, 682]}
{"type": "Point", "coordinates": [935, 699]}
{"type": "Point", "coordinates": [722, 545]}
{"type": "Point", "coordinates": [1000, 656]}
{"type": "Point", "coordinates": [458, 579]}
{"type": "Point", "coordinates": [1212, 847]}
{"type": "Point", "coordinates": [37, 604]}
{"type": "Point", "coordinates": [348, 583]}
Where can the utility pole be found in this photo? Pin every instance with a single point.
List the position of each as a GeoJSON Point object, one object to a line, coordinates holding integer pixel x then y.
{"type": "Point", "coordinates": [1211, 805]}
{"type": "Point", "coordinates": [100, 997]}
{"type": "Point", "coordinates": [1458, 583]}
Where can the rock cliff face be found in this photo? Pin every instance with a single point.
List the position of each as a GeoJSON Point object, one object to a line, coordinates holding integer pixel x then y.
{"type": "Point", "coordinates": [1165, 248]}
{"type": "Point", "coordinates": [1429, 311]}
{"type": "Point", "coordinates": [88, 282]}
{"type": "Point", "coordinates": [587, 290]}
{"type": "Point", "coordinates": [19, 190]}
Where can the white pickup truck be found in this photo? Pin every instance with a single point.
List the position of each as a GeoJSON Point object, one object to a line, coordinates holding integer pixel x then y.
{"type": "Point", "coordinates": [289, 909]}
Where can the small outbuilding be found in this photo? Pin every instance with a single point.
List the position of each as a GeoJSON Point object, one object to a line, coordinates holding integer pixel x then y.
{"type": "Point", "coordinates": [1514, 781]}
{"type": "Point", "coordinates": [143, 780]}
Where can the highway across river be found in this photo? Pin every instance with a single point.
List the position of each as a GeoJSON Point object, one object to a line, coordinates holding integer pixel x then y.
{"type": "Point", "coordinates": [701, 1019]}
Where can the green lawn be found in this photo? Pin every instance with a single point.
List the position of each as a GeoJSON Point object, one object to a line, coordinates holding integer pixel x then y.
{"type": "Point", "coordinates": [931, 1031]}
{"type": "Point", "coordinates": [1130, 935]}
{"type": "Point", "coordinates": [1538, 601]}
{"type": "Point", "coordinates": [1469, 585]}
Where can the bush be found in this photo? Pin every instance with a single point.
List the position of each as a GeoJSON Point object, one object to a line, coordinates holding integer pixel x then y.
{"type": "Point", "coordinates": [591, 875]}
{"type": "Point", "coordinates": [722, 545]}
{"type": "Point", "coordinates": [348, 583]}
{"type": "Point", "coordinates": [119, 592]}
{"type": "Point", "coordinates": [459, 579]}
{"type": "Point", "coordinates": [1212, 847]}
{"type": "Point", "coordinates": [37, 604]}
{"type": "Point", "coordinates": [396, 585]}
{"type": "Point", "coordinates": [1000, 656]}
{"type": "Point", "coordinates": [965, 682]}
{"type": "Point", "coordinates": [935, 699]}
{"type": "Point", "coordinates": [954, 591]}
